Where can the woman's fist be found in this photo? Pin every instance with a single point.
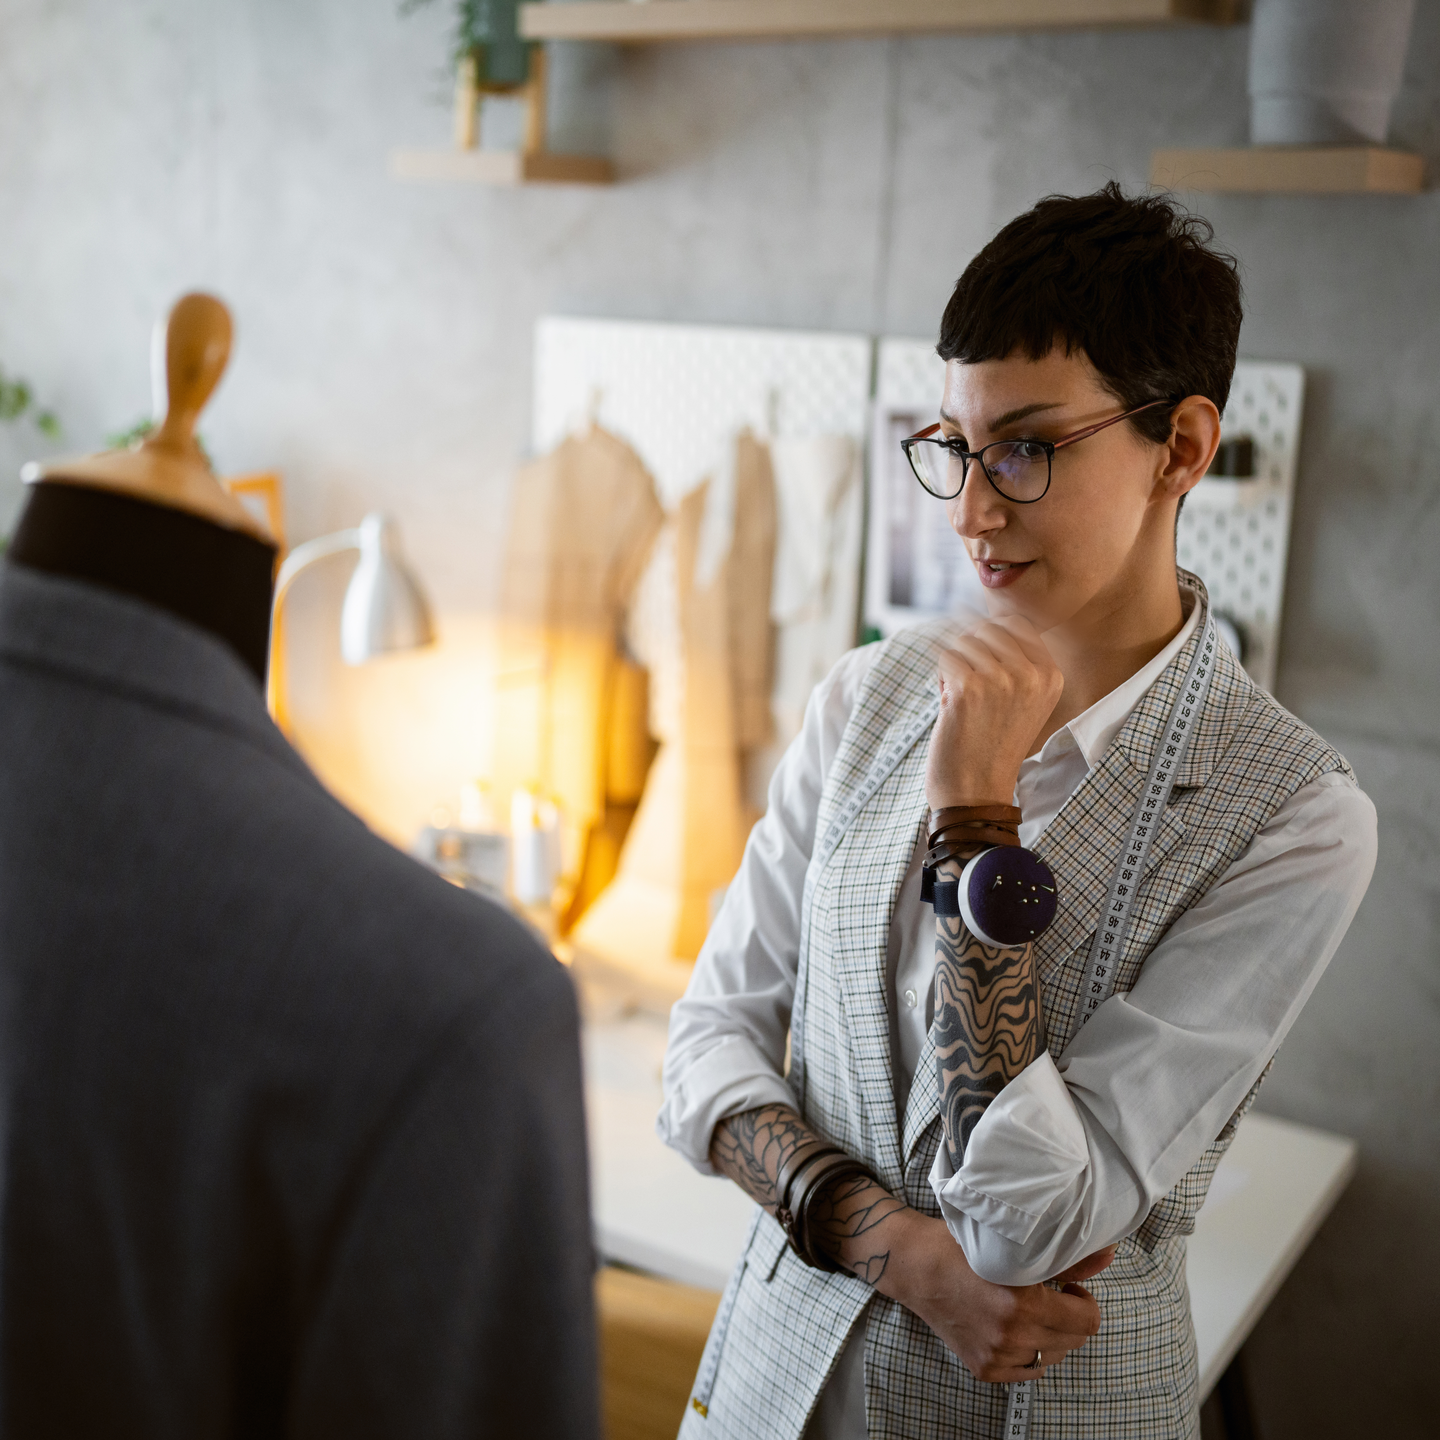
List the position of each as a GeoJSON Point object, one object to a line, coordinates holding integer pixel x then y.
{"type": "Point", "coordinates": [998, 687]}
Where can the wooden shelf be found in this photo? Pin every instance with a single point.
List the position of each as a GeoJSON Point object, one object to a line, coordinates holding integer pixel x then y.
{"type": "Point", "coordinates": [650, 21]}
{"type": "Point", "coordinates": [1279, 170]}
{"type": "Point", "coordinates": [501, 167]}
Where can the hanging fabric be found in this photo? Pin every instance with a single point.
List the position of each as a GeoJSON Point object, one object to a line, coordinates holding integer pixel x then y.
{"type": "Point", "coordinates": [583, 520]}
{"type": "Point", "coordinates": [701, 624]}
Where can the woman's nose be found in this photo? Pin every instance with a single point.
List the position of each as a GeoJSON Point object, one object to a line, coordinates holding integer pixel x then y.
{"type": "Point", "coordinates": [977, 509]}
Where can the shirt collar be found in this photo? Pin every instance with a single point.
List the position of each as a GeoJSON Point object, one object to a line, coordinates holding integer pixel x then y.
{"type": "Point", "coordinates": [1092, 731]}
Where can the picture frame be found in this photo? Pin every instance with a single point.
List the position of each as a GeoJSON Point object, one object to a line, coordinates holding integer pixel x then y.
{"type": "Point", "coordinates": [916, 568]}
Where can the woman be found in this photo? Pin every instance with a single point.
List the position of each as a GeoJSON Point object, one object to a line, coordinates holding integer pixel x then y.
{"type": "Point", "coordinates": [973, 1130]}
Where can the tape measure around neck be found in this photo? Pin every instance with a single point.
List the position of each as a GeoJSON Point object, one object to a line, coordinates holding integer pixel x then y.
{"type": "Point", "coordinates": [1114, 923]}
{"type": "Point", "coordinates": [1170, 750]}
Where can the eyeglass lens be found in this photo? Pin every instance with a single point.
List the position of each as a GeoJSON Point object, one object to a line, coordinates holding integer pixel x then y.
{"type": "Point", "coordinates": [1019, 469]}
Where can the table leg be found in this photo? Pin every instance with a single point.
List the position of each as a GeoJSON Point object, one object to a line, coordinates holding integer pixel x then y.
{"type": "Point", "coordinates": [1234, 1397]}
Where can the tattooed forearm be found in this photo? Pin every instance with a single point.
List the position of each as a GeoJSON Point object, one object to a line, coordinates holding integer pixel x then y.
{"type": "Point", "coordinates": [986, 1023]}
{"type": "Point", "coordinates": [845, 1214]}
{"type": "Point", "coordinates": [750, 1148]}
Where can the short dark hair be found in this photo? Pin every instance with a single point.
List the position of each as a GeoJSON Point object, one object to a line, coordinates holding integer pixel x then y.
{"type": "Point", "coordinates": [1133, 281]}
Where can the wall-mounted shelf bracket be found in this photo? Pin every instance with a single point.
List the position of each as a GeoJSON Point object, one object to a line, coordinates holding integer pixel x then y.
{"type": "Point", "coordinates": [1281, 170]}
{"type": "Point", "coordinates": [531, 164]}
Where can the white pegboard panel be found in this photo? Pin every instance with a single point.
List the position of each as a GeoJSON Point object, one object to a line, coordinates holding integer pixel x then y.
{"type": "Point", "coordinates": [1234, 534]}
{"type": "Point", "coordinates": [910, 373]}
{"type": "Point", "coordinates": [680, 393]}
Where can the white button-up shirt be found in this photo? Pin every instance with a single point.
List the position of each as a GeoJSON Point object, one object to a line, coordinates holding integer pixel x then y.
{"type": "Point", "coordinates": [1073, 1152]}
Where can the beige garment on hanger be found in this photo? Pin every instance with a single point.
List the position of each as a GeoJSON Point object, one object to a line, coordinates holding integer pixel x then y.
{"type": "Point", "coordinates": [582, 522]}
{"type": "Point", "coordinates": [750, 568]}
{"type": "Point", "coordinates": [689, 833]}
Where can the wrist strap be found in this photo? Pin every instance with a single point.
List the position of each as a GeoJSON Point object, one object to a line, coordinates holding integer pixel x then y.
{"type": "Point", "coordinates": [946, 898]}
{"type": "Point", "coordinates": [963, 843]}
{"type": "Point", "coordinates": [995, 832]}
{"type": "Point", "coordinates": [1008, 815]}
{"type": "Point", "coordinates": [818, 1177]}
{"type": "Point", "coordinates": [793, 1166]}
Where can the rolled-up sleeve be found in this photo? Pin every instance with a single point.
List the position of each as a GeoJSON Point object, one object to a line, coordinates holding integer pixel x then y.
{"type": "Point", "coordinates": [726, 1049]}
{"type": "Point", "coordinates": [1075, 1151]}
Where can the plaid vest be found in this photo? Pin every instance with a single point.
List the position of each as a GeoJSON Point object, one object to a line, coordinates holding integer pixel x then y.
{"type": "Point", "coordinates": [781, 1326]}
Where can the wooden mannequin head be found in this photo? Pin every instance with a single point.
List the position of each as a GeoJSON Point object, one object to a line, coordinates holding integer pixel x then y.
{"type": "Point", "coordinates": [168, 467]}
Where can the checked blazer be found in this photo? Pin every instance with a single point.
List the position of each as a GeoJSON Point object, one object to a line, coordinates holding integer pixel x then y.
{"type": "Point", "coordinates": [781, 1326]}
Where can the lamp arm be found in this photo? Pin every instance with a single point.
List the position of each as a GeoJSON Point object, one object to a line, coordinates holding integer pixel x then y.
{"type": "Point", "coordinates": [300, 558]}
{"type": "Point", "coordinates": [303, 556]}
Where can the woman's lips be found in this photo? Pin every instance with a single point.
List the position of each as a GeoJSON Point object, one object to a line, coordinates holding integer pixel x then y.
{"type": "Point", "coordinates": [996, 574]}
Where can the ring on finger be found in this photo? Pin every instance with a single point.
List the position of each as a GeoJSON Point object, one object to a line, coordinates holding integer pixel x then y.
{"type": "Point", "coordinates": [1036, 1363]}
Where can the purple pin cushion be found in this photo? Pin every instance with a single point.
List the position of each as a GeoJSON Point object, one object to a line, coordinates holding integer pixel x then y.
{"type": "Point", "coordinates": [1007, 896]}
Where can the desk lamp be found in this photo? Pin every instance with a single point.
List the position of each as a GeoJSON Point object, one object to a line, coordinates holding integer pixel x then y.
{"type": "Point", "coordinates": [384, 610]}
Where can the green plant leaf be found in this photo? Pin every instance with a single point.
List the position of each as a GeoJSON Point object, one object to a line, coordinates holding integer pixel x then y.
{"type": "Point", "coordinates": [14, 398]}
{"type": "Point", "coordinates": [124, 439]}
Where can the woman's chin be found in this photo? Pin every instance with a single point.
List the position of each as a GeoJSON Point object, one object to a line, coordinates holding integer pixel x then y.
{"type": "Point", "coordinates": [1001, 603]}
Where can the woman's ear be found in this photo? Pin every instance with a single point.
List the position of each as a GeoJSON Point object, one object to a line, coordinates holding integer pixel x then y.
{"type": "Point", "coordinates": [1194, 439]}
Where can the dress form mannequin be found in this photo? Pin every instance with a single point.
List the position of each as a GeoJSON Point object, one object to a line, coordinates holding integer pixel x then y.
{"type": "Point", "coordinates": [152, 521]}
{"type": "Point", "coordinates": [289, 1122]}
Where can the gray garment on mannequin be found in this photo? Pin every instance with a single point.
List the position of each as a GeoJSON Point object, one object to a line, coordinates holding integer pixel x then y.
{"type": "Point", "coordinates": [293, 1141]}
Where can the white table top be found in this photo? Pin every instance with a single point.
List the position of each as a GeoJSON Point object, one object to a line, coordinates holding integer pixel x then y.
{"type": "Point", "coordinates": [1272, 1191]}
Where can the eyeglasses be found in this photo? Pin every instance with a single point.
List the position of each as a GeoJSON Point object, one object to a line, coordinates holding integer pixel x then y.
{"type": "Point", "coordinates": [1018, 469]}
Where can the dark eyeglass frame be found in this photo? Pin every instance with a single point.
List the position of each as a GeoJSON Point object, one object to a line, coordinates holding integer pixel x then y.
{"type": "Point", "coordinates": [1049, 446]}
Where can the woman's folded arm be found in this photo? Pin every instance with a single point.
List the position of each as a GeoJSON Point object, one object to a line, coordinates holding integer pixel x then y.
{"type": "Point", "coordinates": [1075, 1150]}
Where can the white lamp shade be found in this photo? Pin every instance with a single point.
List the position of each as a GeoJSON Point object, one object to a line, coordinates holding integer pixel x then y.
{"type": "Point", "coordinates": [384, 607]}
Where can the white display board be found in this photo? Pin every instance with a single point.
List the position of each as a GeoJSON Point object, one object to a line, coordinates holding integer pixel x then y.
{"type": "Point", "coordinates": [679, 394]}
{"type": "Point", "coordinates": [1234, 534]}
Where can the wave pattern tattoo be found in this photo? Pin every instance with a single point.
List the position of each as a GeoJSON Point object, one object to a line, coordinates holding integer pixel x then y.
{"type": "Point", "coordinates": [986, 1029]}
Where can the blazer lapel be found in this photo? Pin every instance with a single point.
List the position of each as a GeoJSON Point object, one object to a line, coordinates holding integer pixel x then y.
{"type": "Point", "coordinates": [863, 978]}
{"type": "Point", "coordinates": [870, 829]}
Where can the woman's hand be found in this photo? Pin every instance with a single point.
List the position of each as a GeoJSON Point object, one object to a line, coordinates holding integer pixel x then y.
{"type": "Point", "coordinates": [994, 1329]}
{"type": "Point", "coordinates": [998, 686]}
{"type": "Point", "coordinates": [1084, 1269]}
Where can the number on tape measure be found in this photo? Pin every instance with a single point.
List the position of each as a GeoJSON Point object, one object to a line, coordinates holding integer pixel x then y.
{"type": "Point", "coordinates": [1017, 1424]}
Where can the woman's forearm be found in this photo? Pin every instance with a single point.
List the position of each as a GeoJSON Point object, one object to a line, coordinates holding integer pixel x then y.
{"type": "Point", "coordinates": [908, 1256]}
{"type": "Point", "coordinates": [848, 1217]}
{"type": "Point", "coordinates": [987, 1027]}
{"type": "Point", "coordinates": [751, 1147]}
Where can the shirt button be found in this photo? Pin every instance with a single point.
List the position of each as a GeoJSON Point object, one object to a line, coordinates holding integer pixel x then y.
{"type": "Point", "coordinates": [910, 998]}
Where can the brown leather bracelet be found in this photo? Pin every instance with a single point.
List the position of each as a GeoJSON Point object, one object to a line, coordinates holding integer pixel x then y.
{"type": "Point", "coordinates": [832, 1169]}
{"type": "Point", "coordinates": [791, 1168]}
{"type": "Point", "coordinates": [973, 814]}
{"type": "Point", "coordinates": [976, 835]}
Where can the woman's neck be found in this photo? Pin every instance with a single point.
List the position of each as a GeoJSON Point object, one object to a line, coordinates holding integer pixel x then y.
{"type": "Point", "coordinates": [1099, 651]}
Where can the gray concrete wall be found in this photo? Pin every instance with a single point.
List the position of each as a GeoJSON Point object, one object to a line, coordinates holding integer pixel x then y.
{"type": "Point", "coordinates": [383, 360]}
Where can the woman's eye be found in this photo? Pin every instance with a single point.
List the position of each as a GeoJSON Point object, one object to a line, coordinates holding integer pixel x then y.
{"type": "Point", "coordinates": [1029, 450]}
